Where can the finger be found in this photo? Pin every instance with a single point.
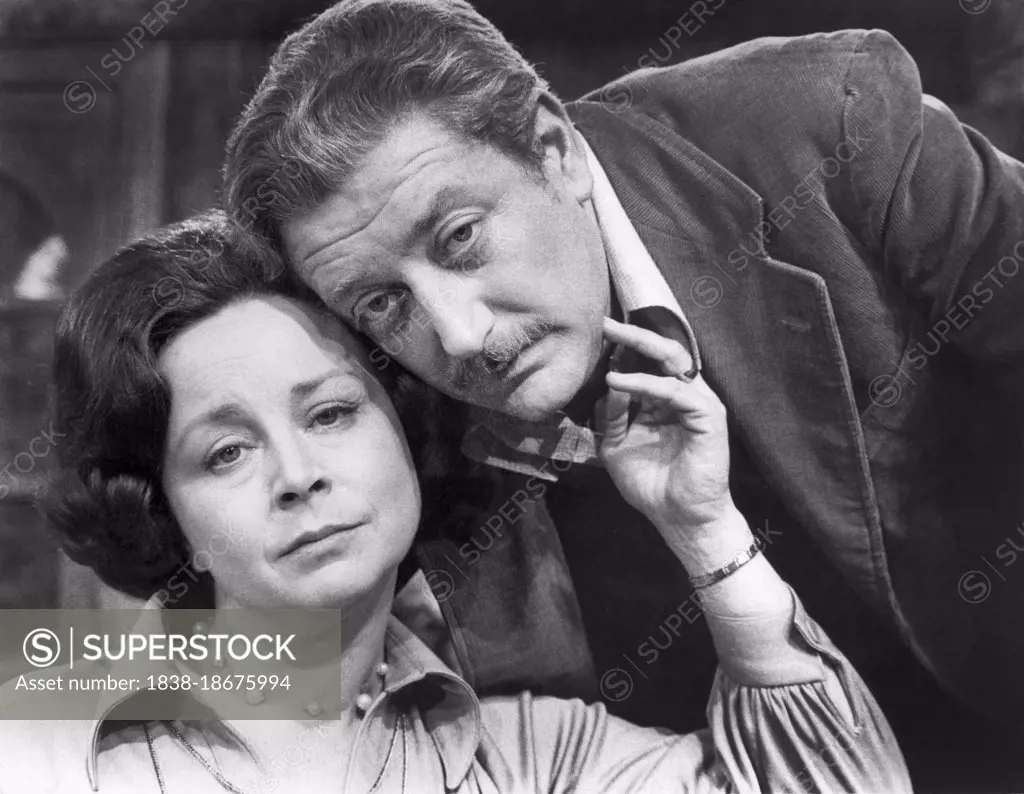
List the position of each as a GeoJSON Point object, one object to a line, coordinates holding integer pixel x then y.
{"type": "Point", "coordinates": [613, 416]}
{"type": "Point", "coordinates": [673, 357]}
{"type": "Point", "coordinates": [679, 395]}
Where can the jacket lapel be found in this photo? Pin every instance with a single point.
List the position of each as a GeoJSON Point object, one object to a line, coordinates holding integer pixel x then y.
{"type": "Point", "coordinates": [766, 331]}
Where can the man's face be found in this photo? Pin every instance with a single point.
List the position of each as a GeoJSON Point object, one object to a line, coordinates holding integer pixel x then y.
{"type": "Point", "coordinates": [486, 279]}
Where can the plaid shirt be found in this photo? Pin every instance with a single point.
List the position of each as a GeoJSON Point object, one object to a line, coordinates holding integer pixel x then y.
{"type": "Point", "coordinates": [529, 447]}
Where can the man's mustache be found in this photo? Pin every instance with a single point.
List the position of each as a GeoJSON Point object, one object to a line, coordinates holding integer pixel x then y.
{"type": "Point", "coordinates": [498, 354]}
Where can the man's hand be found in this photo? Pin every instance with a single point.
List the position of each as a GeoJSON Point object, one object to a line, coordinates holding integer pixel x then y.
{"type": "Point", "coordinates": [672, 462]}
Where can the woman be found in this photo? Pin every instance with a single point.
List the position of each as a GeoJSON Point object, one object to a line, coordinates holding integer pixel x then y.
{"type": "Point", "coordinates": [219, 398]}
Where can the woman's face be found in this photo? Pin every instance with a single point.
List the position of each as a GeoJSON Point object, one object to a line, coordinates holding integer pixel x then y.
{"type": "Point", "coordinates": [285, 461]}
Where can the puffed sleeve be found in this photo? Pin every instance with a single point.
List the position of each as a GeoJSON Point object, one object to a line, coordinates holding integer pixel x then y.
{"type": "Point", "coordinates": [787, 713]}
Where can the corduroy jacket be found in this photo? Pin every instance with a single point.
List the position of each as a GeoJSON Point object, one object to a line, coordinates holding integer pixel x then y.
{"type": "Point", "coordinates": [848, 255]}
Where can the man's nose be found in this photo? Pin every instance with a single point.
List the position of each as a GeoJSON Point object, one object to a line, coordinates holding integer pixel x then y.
{"type": "Point", "coordinates": [299, 475]}
{"type": "Point", "coordinates": [457, 312]}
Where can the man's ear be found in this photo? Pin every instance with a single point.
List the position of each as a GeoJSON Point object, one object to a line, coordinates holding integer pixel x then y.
{"type": "Point", "coordinates": [565, 161]}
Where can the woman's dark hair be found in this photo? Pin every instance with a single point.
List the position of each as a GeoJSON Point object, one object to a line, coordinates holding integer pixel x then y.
{"type": "Point", "coordinates": [105, 503]}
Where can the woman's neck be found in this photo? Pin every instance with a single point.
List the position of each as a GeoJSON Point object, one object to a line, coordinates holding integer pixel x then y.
{"type": "Point", "coordinates": [362, 631]}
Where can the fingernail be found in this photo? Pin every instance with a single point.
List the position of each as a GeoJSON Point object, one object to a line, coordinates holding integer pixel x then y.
{"type": "Point", "coordinates": [615, 361]}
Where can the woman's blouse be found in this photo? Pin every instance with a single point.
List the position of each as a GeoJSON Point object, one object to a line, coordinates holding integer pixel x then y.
{"type": "Point", "coordinates": [787, 713]}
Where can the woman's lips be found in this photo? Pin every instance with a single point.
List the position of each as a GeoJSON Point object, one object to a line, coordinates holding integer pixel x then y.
{"type": "Point", "coordinates": [311, 537]}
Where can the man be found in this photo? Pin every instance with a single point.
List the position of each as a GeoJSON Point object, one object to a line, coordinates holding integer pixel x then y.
{"type": "Point", "coordinates": [837, 254]}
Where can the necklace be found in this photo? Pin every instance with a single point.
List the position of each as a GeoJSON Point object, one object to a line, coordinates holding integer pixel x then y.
{"type": "Point", "coordinates": [387, 760]}
{"type": "Point", "coordinates": [254, 696]}
{"type": "Point", "coordinates": [363, 703]}
{"type": "Point", "coordinates": [227, 785]}
{"type": "Point", "coordinates": [314, 708]}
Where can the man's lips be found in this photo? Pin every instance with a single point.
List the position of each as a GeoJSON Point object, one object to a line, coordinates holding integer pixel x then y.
{"type": "Point", "coordinates": [492, 373]}
{"type": "Point", "coordinates": [507, 369]}
{"type": "Point", "coordinates": [316, 535]}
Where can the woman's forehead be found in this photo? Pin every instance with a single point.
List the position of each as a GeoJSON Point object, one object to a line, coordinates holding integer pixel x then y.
{"type": "Point", "coordinates": [264, 335]}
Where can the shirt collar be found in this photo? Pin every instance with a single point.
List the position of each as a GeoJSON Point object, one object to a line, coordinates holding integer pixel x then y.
{"type": "Point", "coordinates": [525, 447]}
{"type": "Point", "coordinates": [124, 668]}
{"type": "Point", "coordinates": [451, 714]}
{"type": "Point", "coordinates": [637, 280]}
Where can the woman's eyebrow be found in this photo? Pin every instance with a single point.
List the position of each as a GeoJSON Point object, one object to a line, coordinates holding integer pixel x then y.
{"type": "Point", "coordinates": [305, 388]}
{"type": "Point", "coordinates": [224, 414]}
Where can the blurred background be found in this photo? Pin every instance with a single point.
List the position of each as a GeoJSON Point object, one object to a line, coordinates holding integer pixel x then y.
{"type": "Point", "coordinates": [113, 115]}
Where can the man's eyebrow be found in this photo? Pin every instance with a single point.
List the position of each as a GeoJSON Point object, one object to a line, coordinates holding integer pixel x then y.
{"type": "Point", "coordinates": [443, 202]}
{"type": "Point", "coordinates": [342, 284]}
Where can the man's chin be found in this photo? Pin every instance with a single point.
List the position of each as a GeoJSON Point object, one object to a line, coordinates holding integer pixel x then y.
{"type": "Point", "coordinates": [539, 395]}
{"type": "Point", "coordinates": [532, 403]}
{"type": "Point", "coordinates": [528, 413]}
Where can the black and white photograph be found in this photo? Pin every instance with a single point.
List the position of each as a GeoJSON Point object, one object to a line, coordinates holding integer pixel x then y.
{"type": "Point", "coordinates": [482, 397]}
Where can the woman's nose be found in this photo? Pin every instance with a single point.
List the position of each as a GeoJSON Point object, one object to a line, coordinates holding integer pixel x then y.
{"type": "Point", "coordinates": [299, 475]}
{"type": "Point", "coordinates": [291, 496]}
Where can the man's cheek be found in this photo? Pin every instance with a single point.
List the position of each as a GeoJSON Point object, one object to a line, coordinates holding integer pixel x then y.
{"type": "Point", "coordinates": [429, 361]}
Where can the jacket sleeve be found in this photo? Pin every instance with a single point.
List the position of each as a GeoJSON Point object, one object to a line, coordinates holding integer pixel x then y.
{"type": "Point", "coordinates": [925, 219]}
{"type": "Point", "coordinates": [940, 206]}
{"type": "Point", "coordinates": [787, 713]}
{"type": "Point", "coordinates": [942, 212]}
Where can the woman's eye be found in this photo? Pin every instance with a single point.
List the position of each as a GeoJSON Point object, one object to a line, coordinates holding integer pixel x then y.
{"type": "Point", "coordinates": [331, 416]}
{"type": "Point", "coordinates": [225, 456]}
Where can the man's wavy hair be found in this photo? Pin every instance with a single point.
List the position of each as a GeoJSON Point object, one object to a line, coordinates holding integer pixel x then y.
{"type": "Point", "coordinates": [105, 503]}
{"type": "Point", "coordinates": [339, 84]}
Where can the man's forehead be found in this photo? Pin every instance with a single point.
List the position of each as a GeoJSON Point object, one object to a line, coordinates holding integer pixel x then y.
{"type": "Point", "coordinates": [416, 152]}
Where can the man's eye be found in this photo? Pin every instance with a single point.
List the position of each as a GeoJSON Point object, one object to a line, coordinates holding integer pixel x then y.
{"type": "Point", "coordinates": [463, 234]}
{"type": "Point", "coordinates": [379, 304]}
{"type": "Point", "coordinates": [378, 313]}
{"type": "Point", "coordinates": [460, 237]}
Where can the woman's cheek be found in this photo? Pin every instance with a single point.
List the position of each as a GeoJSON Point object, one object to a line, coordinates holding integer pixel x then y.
{"type": "Point", "coordinates": [217, 521]}
{"type": "Point", "coordinates": [406, 487]}
{"type": "Point", "coordinates": [392, 480]}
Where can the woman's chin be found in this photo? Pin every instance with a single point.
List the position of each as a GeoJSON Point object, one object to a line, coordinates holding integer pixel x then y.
{"type": "Point", "coordinates": [344, 584]}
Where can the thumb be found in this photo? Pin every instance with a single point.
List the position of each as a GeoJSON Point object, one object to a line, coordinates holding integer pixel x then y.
{"type": "Point", "coordinates": [613, 416]}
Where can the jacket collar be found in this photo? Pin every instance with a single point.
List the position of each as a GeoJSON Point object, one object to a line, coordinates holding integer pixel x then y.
{"type": "Point", "coordinates": [715, 211]}
{"type": "Point", "coordinates": [706, 230]}
{"type": "Point", "coordinates": [449, 707]}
